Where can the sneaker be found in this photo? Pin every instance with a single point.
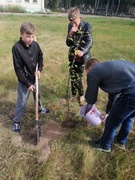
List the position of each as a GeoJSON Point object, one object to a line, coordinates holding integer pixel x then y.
{"type": "Point", "coordinates": [121, 146]}
{"type": "Point", "coordinates": [96, 145]}
{"type": "Point", "coordinates": [44, 111]}
{"type": "Point", "coordinates": [16, 127]}
{"type": "Point", "coordinates": [81, 100]}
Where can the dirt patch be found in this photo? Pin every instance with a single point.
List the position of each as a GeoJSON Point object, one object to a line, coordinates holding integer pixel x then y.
{"type": "Point", "coordinates": [11, 113]}
{"type": "Point", "coordinates": [50, 131]}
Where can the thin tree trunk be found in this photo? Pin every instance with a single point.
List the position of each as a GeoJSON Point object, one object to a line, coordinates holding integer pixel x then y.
{"type": "Point", "coordinates": [118, 7]}
{"type": "Point", "coordinates": [96, 4]}
{"type": "Point", "coordinates": [112, 7]}
{"type": "Point", "coordinates": [107, 7]}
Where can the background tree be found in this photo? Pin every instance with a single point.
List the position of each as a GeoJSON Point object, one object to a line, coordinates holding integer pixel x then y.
{"type": "Point", "coordinates": [100, 7]}
{"type": "Point", "coordinates": [53, 5]}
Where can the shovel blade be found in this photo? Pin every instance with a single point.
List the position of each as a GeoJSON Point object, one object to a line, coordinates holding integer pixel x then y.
{"type": "Point", "coordinates": [38, 132]}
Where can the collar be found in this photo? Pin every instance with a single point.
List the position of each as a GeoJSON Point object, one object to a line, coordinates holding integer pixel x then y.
{"type": "Point", "coordinates": [23, 43]}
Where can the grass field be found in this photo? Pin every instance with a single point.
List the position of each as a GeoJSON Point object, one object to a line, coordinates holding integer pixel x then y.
{"type": "Point", "coordinates": [71, 157]}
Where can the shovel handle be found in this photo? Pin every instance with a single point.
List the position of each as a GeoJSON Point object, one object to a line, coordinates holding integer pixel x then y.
{"type": "Point", "coordinates": [36, 83]}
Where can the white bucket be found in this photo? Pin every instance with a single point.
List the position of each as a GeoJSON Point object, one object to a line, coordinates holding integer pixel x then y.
{"type": "Point", "coordinates": [93, 117]}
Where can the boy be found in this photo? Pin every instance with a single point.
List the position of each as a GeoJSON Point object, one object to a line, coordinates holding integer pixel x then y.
{"type": "Point", "coordinates": [26, 55]}
{"type": "Point", "coordinates": [116, 77]}
{"type": "Point", "coordinates": [79, 39]}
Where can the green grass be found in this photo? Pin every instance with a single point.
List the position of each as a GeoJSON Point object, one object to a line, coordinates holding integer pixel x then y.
{"type": "Point", "coordinates": [13, 9]}
{"type": "Point", "coordinates": [72, 157]}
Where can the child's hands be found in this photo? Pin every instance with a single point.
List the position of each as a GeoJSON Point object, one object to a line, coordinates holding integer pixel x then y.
{"type": "Point", "coordinates": [104, 115]}
{"type": "Point", "coordinates": [74, 29]}
{"type": "Point", "coordinates": [79, 53]}
{"type": "Point", "coordinates": [31, 88]}
{"type": "Point", "coordinates": [38, 74]}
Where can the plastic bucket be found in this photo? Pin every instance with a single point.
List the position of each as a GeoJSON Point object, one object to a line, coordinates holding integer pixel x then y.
{"type": "Point", "coordinates": [93, 117]}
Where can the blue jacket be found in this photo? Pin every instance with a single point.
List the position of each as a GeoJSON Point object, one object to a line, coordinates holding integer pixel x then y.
{"type": "Point", "coordinates": [113, 77]}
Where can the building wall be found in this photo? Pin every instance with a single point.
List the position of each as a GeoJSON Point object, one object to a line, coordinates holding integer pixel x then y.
{"type": "Point", "coordinates": [29, 5]}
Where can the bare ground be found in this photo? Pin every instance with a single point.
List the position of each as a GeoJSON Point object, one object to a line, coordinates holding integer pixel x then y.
{"type": "Point", "coordinates": [49, 131]}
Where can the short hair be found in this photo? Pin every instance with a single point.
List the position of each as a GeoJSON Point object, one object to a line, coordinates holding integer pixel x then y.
{"type": "Point", "coordinates": [27, 28]}
{"type": "Point", "coordinates": [73, 13]}
{"type": "Point", "coordinates": [91, 62]}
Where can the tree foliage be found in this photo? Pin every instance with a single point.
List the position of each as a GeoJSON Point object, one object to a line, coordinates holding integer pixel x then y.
{"type": "Point", "coordinates": [101, 7]}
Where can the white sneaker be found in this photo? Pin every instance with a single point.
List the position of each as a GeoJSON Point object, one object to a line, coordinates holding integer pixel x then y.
{"type": "Point", "coordinates": [82, 100]}
{"type": "Point", "coordinates": [121, 146]}
{"type": "Point", "coordinates": [44, 111]}
{"type": "Point", "coordinates": [16, 127]}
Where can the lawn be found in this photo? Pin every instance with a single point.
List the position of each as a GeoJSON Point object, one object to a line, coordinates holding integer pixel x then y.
{"type": "Point", "coordinates": [71, 157]}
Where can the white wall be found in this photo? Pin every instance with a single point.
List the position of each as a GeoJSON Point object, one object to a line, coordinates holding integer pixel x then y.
{"type": "Point", "coordinates": [29, 5]}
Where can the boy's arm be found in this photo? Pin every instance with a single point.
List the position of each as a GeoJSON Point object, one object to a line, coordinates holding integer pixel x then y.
{"type": "Point", "coordinates": [40, 59]}
{"type": "Point", "coordinates": [18, 67]}
{"type": "Point", "coordinates": [92, 89]}
{"type": "Point", "coordinates": [69, 39]}
{"type": "Point", "coordinates": [109, 103]}
{"type": "Point", "coordinates": [87, 40]}
{"type": "Point", "coordinates": [111, 99]}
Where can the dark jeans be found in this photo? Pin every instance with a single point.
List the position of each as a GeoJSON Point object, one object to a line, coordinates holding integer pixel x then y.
{"type": "Point", "coordinates": [121, 115]}
{"type": "Point", "coordinates": [76, 70]}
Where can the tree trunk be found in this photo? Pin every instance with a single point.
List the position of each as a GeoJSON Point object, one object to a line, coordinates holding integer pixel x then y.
{"type": "Point", "coordinates": [118, 7]}
{"type": "Point", "coordinates": [107, 7]}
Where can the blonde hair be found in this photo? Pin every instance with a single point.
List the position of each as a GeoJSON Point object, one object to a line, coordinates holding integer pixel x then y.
{"type": "Point", "coordinates": [90, 63]}
{"type": "Point", "coordinates": [73, 13]}
{"type": "Point", "coordinates": [27, 28]}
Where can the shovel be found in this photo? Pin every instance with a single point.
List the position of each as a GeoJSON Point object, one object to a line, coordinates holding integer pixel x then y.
{"type": "Point", "coordinates": [38, 130]}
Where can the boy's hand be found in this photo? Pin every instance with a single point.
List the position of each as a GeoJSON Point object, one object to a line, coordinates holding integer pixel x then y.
{"type": "Point", "coordinates": [38, 74]}
{"type": "Point", "coordinates": [104, 115]}
{"type": "Point", "coordinates": [74, 29]}
{"type": "Point", "coordinates": [79, 53]}
{"type": "Point", "coordinates": [31, 88]}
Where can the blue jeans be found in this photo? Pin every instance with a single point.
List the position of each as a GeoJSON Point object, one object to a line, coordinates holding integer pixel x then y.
{"type": "Point", "coordinates": [121, 115]}
{"type": "Point", "coordinates": [23, 95]}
